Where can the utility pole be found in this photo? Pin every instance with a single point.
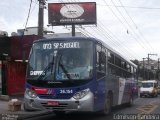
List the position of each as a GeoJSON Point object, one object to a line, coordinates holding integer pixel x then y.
{"type": "Point", "coordinates": [40, 18]}
{"type": "Point", "coordinates": [143, 69]}
{"type": "Point", "coordinates": [148, 64]}
{"type": "Point", "coordinates": [73, 30]}
{"type": "Point", "coordinates": [158, 69]}
{"type": "Point", "coordinates": [158, 64]}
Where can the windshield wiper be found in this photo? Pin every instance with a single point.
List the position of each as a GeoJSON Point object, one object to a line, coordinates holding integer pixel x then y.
{"type": "Point", "coordinates": [63, 68]}
{"type": "Point", "coordinates": [50, 65]}
{"type": "Point", "coordinates": [65, 71]}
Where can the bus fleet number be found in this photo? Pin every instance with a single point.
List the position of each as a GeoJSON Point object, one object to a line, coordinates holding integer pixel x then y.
{"type": "Point", "coordinates": [66, 91]}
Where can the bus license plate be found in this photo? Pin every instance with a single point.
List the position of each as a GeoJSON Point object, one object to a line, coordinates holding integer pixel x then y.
{"type": "Point", "coordinates": [53, 103]}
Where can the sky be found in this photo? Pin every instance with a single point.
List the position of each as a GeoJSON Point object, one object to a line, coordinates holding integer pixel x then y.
{"type": "Point", "coordinates": [131, 27]}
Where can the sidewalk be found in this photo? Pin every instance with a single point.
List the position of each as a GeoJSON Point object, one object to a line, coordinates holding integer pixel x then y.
{"type": "Point", "coordinates": [5, 114]}
{"type": "Point", "coordinates": [4, 99]}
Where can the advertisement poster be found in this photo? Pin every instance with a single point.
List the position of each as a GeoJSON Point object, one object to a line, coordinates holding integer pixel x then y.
{"type": "Point", "coordinates": [0, 77]}
{"type": "Point", "coordinates": [72, 13]}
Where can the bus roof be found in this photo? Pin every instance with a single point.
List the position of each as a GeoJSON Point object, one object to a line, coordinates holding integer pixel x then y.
{"type": "Point", "coordinates": [91, 39]}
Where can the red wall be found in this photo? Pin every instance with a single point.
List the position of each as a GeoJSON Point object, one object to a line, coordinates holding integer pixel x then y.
{"type": "Point", "coordinates": [16, 72]}
{"type": "Point", "coordinates": [20, 46]}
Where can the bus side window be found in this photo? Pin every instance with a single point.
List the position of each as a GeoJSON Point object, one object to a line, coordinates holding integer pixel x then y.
{"type": "Point", "coordinates": [118, 61]}
{"type": "Point", "coordinates": [101, 62]}
{"type": "Point", "coordinates": [128, 67]}
{"type": "Point", "coordinates": [110, 57]}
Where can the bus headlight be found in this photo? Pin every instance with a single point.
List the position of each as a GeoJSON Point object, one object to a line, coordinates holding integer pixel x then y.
{"type": "Point", "coordinates": [81, 94]}
{"type": "Point", "coordinates": [31, 93]}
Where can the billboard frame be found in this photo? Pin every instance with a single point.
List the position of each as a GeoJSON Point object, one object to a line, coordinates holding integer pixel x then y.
{"type": "Point", "coordinates": [75, 13]}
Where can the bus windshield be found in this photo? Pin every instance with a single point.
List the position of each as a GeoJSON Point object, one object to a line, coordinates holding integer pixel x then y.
{"type": "Point", "coordinates": [61, 61]}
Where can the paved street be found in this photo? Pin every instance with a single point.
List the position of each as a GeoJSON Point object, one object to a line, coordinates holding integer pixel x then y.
{"type": "Point", "coordinates": [3, 106]}
{"type": "Point", "coordinates": [5, 114]}
{"type": "Point", "coordinates": [142, 106]}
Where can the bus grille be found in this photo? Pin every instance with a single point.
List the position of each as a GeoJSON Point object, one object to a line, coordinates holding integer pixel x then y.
{"type": "Point", "coordinates": [61, 106]}
{"type": "Point", "coordinates": [58, 96]}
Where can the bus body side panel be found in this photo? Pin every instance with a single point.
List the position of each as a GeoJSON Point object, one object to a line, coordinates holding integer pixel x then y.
{"type": "Point", "coordinates": [100, 94]}
{"type": "Point", "coordinates": [120, 88]}
{"type": "Point", "coordinates": [124, 91]}
{"type": "Point", "coordinates": [127, 90]}
{"type": "Point", "coordinates": [112, 86]}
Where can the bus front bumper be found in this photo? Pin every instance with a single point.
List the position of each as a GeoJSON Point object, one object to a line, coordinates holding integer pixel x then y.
{"type": "Point", "coordinates": [84, 104]}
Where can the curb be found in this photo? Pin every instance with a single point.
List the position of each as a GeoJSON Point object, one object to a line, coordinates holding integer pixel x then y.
{"type": "Point", "coordinates": [4, 97]}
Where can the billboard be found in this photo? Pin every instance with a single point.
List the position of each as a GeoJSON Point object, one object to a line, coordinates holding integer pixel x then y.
{"type": "Point", "coordinates": [72, 13]}
{"type": "Point", "coordinates": [0, 77]}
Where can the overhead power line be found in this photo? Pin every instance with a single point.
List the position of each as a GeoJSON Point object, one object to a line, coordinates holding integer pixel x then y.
{"type": "Point", "coordinates": [149, 8]}
{"type": "Point", "coordinates": [139, 42]}
{"type": "Point", "coordinates": [28, 14]}
{"type": "Point", "coordinates": [136, 26]}
{"type": "Point", "coordinates": [128, 14]}
{"type": "Point", "coordinates": [124, 24]}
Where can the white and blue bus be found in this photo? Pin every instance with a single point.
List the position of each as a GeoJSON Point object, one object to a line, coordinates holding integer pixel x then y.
{"type": "Point", "coordinates": [77, 74]}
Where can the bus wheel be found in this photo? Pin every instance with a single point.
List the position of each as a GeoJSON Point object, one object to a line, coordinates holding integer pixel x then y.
{"type": "Point", "coordinates": [107, 106]}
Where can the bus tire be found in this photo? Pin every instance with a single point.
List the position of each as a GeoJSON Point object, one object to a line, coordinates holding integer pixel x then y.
{"type": "Point", "coordinates": [107, 105]}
